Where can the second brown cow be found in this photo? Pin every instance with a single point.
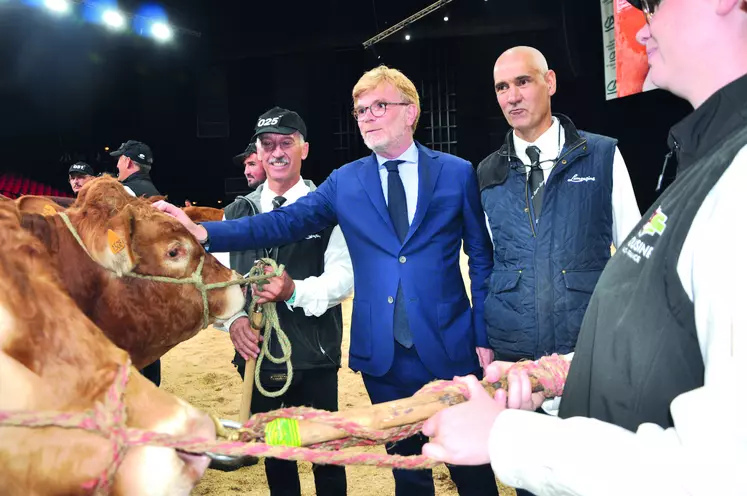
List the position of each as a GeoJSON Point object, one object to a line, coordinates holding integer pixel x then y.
{"type": "Point", "coordinates": [123, 235]}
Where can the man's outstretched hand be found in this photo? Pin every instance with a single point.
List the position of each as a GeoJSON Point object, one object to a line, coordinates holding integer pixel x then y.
{"type": "Point", "coordinates": [195, 230]}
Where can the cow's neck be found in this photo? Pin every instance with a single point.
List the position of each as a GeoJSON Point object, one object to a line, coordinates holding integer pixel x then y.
{"type": "Point", "coordinates": [81, 276]}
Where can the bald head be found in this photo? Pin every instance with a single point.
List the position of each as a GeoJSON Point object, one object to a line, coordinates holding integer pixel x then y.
{"type": "Point", "coordinates": [523, 87]}
{"type": "Point", "coordinates": [530, 56]}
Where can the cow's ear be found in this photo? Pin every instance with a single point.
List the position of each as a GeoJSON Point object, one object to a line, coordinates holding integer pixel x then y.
{"type": "Point", "coordinates": [114, 248]}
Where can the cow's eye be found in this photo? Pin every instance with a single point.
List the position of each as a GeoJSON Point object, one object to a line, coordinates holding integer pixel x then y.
{"type": "Point", "coordinates": [173, 252]}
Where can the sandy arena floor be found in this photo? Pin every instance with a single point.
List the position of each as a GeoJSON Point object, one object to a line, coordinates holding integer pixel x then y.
{"type": "Point", "coordinates": [200, 372]}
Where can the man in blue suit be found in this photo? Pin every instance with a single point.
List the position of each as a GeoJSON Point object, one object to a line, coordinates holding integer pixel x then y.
{"type": "Point", "coordinates": [405, 211]}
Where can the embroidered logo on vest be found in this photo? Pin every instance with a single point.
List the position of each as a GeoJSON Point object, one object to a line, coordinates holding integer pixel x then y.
{"type": "Point", "coordinates": [636, 248]}
{"type": "Point", "coordinates": [576, 179]}
{"type": "Point", "coordinates": [655, 225]}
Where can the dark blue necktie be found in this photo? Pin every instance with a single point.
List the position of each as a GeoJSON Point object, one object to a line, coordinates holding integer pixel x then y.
{"type": "Point", "coordinates": [397, 201]}
{"type": "Point", "coordinates": [397, 205]}
{"type": "Point", "coordinates": [536, 180]}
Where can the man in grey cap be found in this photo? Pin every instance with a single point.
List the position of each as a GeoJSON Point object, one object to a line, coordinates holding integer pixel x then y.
{"type": "Point", "coordinates": [135, 161]}
{"type": "Point", "coordinates": [79, 174]}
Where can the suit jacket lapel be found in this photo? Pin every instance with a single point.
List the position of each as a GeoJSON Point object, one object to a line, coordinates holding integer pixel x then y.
{"type": "Point", "coordinates": [369, 176]}
{"type": "Point", "coordinates": [428, 170]}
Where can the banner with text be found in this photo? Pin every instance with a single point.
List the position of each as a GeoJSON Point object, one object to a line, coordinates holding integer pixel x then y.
{"type": "Point", "coordinates": [625, 60]}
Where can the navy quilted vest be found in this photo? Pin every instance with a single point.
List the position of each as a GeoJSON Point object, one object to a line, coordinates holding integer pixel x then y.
{"type": "Point", "coordinates": [544, 273]}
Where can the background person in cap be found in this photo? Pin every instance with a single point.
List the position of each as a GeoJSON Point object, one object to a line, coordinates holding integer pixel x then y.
{"type": "Point", "coordinates": [406, 212]}
{"type": "Point", "coordinates": [135, 161]}
{"type": "Point", "coordinates": [654, 402]}
{"type": "Point", "coordinates": [308, 305]}
{"type": "Point", "coordinates": [253, 169]}
{"type": "Point", "coordinates": [255, 175]}
{"type": "Point", "coordinates": [79, 174]}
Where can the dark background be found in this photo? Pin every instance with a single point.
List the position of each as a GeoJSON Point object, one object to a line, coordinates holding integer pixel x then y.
{"type": "Point", "coordinates": [69, 88]}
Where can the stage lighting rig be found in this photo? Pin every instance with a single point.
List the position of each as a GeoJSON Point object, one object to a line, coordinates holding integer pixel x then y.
{"type": "Point", "coordinates": [402, 24]}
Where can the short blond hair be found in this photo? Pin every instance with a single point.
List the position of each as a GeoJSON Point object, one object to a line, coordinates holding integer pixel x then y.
{"type": "Point", "coordinates": [385, 75]}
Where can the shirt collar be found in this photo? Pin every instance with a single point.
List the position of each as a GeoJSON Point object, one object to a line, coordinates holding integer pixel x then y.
{"type": "Point", "coordinates": [548, 143]}
{"type": "Point", "coordinates": [410, 156]}
{"type": "Point", "coordinates": [297, 191]}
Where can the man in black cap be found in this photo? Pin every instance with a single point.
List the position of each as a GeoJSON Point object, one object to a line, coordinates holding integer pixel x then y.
{"type": "Point", "coordinates": [253, 170]}
{"type": "Point", "coordinates": [135, 161]}
{"type": "Point", "coordinates": [653, 402]}
{"type": "Point", "coordinates": [255, 175]}
{"type": "Point", "coordinates": [308, 304]}
{"type": "Point", "coordinates": [79, 174]}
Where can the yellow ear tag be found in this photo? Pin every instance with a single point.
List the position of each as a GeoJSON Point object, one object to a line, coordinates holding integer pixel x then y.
{"type": "Point", "coordinates": [48, 210]}
{"type": "Point", "coordinates": [115, 242]}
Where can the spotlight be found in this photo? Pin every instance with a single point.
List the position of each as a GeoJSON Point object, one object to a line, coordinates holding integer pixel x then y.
{"type": "Point", "coordinates": [61, 6]}
{"type": "Point", "coordinates": [407, 37]}
{"type": "Point", "coordinates": [446, 19]}
{"type": "Point", "coordinates": [113, 19]}
{"type": "Point", "coordinates": [106, 148]}
{"type": "Point", "coordinates": [161, 31]}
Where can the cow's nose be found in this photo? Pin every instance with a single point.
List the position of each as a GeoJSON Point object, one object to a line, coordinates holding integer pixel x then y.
{"type": "Point", "coordinates": [196, 464]}
{"type": "Point", "coordinates": [203, 427]}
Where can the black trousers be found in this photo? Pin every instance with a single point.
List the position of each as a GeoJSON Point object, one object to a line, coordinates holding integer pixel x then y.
{"type": "Point", "coordinates": [153, 372]}
{"type": "Point", "coordinates": [316, 388]}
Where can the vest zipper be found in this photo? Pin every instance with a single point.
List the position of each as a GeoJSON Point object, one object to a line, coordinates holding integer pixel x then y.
{"type": "Point", "coordinates": [675, 150]}
{"type": "Point", "coordinates": [528, 210]}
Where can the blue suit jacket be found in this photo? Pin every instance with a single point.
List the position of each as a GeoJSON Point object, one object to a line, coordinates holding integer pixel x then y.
{"type": "Point", "coordinates": [445, 329]}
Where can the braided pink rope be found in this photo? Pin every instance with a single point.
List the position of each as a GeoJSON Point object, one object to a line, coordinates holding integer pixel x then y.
{"type": "Point", "coordinates": [548, 373]}
{"type": "Point", "coordinates": [109, 420]}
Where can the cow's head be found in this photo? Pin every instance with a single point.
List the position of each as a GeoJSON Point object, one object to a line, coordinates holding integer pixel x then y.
{"type": "Point", "coordinates": [53, 358]}
{"type": "Point", "coordinates": [125, 234]}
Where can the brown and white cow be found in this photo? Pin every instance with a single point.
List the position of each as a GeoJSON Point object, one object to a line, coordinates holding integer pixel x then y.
{"type": "Point", "coordinates": [53, 358]}
{"type": "Point", "coordinates": [126, 234]}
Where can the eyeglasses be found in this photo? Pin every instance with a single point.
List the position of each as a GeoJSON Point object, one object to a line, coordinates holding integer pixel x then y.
{"type": "Point", "coordinates": [378, 109]}
{"type": "Point", "coordinates": [649, 8]}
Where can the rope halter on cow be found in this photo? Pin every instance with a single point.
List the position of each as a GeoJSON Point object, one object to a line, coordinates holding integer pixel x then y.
{"type": "Point", "coordinates": [257, 275]}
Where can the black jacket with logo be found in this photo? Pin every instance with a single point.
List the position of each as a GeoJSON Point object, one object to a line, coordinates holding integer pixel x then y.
{"type": "Point", "coordinates": [316, 341]}
{"type": "Point", "coordinates": [638, 347]}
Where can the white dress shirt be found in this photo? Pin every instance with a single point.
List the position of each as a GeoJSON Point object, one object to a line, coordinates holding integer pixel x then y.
{"type": "Point", "coordinates": [408, 172]}
{"type": "Point", "coordinates": [316, 294]}
{"type": "Point", "coordinates": [706, 451]}
{"type": "Point", "coordinates": [625, 211]}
